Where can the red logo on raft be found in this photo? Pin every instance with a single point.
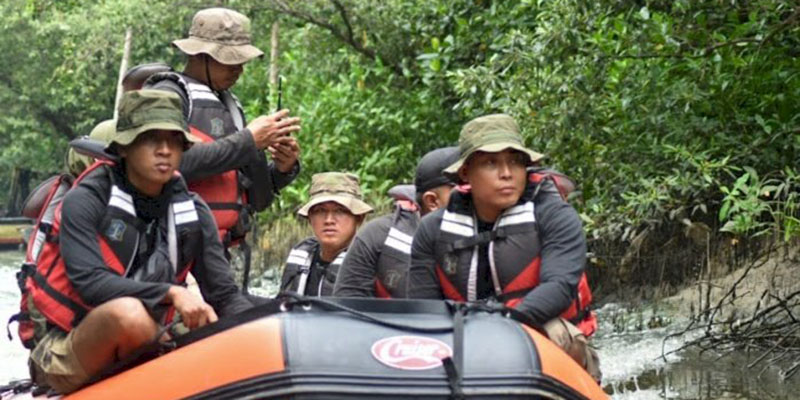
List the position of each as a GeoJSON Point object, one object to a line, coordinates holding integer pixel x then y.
{"type": "Point", "coordinates": [411, 352]}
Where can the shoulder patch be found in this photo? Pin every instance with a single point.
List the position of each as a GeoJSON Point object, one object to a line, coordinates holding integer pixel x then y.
{"type": "Point", "coordinates": [116, 229]}
{"type": "Point", "coordinates": [217, 127]}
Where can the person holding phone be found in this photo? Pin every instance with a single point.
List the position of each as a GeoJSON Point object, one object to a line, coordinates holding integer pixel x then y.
{"type": "Point", "coordinates": [229, 169]}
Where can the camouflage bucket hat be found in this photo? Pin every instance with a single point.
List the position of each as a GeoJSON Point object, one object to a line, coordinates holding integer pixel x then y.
{"type": "Point", "coordinates": [222, 34]}
{"type": "Point", "coordinates": [103, 132]}
{"type": "Point", "coordinates": [144, 110]}
{"type": "Point", "coordinates": [338, 187]}
{"type": "Point", "coordinates": [491, 134]}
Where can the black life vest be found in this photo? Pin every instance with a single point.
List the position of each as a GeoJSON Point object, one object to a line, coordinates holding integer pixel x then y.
{"type": "Point", "coordinates": [298, 268]}
{"type": "Point", "coordinates": [515, 237]}
{"type": "Point", "coordinates": [395, 255]}
{"type": "Point", "coordinates": [118, 236]}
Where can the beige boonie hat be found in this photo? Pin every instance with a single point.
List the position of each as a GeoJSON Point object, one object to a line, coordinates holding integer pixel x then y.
{"type": "Point", "coordinates": [339, 187]}
{"type": "Point", "coordinates": [222, 34]}
{"type": "Point", "coordinates": [145, 110]}
{"type": "Point", "coordinates": [491, 134]}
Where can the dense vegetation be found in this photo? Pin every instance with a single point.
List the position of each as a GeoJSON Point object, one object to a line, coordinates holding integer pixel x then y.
{"type": "Point", "coordinates": [675, 117]}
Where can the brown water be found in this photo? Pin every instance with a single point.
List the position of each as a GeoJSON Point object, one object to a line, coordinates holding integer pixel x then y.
{"type": "Point", "coordinates": [634, 369]}
{"type": "Point", "coordinates": [630, 356]}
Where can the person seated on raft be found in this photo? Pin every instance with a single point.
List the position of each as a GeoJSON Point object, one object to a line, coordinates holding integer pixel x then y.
{"type": "Point", "coordinates": [377, 262]}
{"type": "Point", "coordinates": [129, 234]}
{"type": "Point", "coordinates": [335, 211]}
{"type": "Point", "coordinates": [507, 235]}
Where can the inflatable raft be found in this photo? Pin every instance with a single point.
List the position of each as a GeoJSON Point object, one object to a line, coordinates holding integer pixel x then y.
{"type": "Point", "coordinates": [303, 348]}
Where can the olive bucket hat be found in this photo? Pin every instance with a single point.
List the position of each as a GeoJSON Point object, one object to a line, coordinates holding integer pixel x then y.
{"type": "Point", "coordinates": [491, 134]}
{"type": "Point", "coordinates": [148, 109]}
{"type": "Point", "coordinates": [102, 132]}
{"type": "Point", "coordinates": [222, 34]}
{"type": "Point", "coordinates": [339, 187]}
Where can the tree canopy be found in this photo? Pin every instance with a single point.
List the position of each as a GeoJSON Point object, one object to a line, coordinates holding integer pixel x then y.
{"type": "Point", "coordinates": [661, 110]}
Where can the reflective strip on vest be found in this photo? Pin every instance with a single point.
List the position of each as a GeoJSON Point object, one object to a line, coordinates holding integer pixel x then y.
{"type": "Point", "coordinates": [399, 241]}
{"type": "Point", "coordinates": [458, 224]}
{"type": "Point", "coordinates": [521, 214]}
{"type": "Point", "coordinates": [303, 259]}
{"type": "Point", "coordinates": [46, 218]}
{"type": "Point", "coordinates": [121, 200]}
{"type": "Point", "coordinates": [201, 92]}
{"type": "Point", "coordinates": [336, 262]}
{"type": "Point", "coordinates": [298, 256]}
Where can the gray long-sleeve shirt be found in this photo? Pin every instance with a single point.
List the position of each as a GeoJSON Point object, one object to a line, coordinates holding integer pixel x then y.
{"type": "Point", "coordinates": [563, 258]}
{"type": "Point", "coordinates": [235, 150]}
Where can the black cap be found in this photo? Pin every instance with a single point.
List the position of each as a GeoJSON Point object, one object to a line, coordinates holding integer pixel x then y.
{"type": "Point", "coordinates": [430, 167]}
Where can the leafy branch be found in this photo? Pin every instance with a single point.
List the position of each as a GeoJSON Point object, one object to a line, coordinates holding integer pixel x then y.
{"type": "Point", "coordinates": [345, 35]}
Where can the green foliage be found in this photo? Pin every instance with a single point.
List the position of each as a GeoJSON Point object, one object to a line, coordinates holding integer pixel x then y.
{"type": "Point", "coordinates": [654, 107]}
{"type": "Point", "coordinates": [651, 108]}
{"type": "Point", "coordinates": [756, 206]}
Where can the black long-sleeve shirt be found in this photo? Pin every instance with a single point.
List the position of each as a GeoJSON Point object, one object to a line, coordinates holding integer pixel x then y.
{"type": "Point", "coordinates": [82, 212]}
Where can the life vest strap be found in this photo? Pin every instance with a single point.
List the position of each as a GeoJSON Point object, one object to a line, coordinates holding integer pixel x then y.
{"type": "Point", "coordinates": [516, 294]}
{"type": "Point", "coordinates": [582, 314]}
{"type": "Point", "coordinates": [19, 317]}
{"type": "Point", "coordinates": [487, 236]}
{"type": "Point", "coordinates": [76, 308]}
{"type": "Point", "coordinates": [25, 271]}
{"type": "Point", "coordinates": [226, 206]}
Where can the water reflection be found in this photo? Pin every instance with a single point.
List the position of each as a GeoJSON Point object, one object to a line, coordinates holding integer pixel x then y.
{"type": "Point", "coordinates": [12, 355]}
{"type": "Point", "coordinates": [629, 344]}
{"type": "Point", "coordinates": [633, 369]}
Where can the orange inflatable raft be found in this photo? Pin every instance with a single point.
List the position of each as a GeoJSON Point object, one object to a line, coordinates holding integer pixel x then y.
{"type": "Point", "coordinates": [301, 348]}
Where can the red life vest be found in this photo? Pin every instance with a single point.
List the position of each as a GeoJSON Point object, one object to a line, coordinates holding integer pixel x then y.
{"type": "Point", "coordinates": [222, 194]}
{"type": "Point", "coordinates": [380, 291]}
{"type": "Point", "coordinates": [49, 195]}
{"type": "Point", "coordinates": [47, 283]}
{"type": "Point", "coordinates": [519, 232]}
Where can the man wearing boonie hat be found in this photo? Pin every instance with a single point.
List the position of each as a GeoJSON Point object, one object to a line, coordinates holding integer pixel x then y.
{"type": "Point", "coordinates": [377, 261]}
{"type": "Point", "coordinates": [507, 235]}
{"type": "Point", "coordinates": [128, 234]}
{"type": "Point", "coordinates": [229, 169]}
{"type": "Point", "coordinates": [334, 211]}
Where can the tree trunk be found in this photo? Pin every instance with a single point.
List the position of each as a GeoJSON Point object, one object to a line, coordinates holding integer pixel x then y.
{"type": "Point", "coordinates": [123, 67]}
{"type": "Point", "coordinates": [20, 187]}
{"type": "Point", "coordinates": [273, 64]}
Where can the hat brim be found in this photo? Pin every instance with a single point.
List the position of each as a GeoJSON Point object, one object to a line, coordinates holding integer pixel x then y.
{"type": "Point", "coordinates": [452, 171]}
{"type": "Point", "coordinates": [127, 137]}
{"type": "Point", "coordinates": [352, 204]}
{"type": "Point", "coordinates": [225, 54]}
